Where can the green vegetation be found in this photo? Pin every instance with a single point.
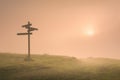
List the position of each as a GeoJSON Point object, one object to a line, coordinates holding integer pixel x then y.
{"type": "Point", "coordinates": [48, 67]}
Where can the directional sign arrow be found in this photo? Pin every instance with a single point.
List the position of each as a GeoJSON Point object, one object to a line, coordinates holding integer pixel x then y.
{"type": "Point", "coordinates": [24, 33]}
{"type": "Point", "coordinates": [32, 29]}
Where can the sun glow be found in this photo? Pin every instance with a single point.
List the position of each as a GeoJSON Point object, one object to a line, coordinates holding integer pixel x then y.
{"type": "Point", "coordinates": [89, 30]}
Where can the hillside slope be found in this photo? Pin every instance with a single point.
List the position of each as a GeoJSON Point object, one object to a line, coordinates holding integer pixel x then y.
{"type": "Point", "coordinates": [46, 67]}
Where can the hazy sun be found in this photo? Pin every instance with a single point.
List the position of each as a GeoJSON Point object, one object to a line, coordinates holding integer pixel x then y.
{"type": "Point", "coordinates": [90, 32]}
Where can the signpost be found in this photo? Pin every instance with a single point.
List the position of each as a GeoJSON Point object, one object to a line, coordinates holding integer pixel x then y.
{"type": "Point", "coordinates": [29, 29]}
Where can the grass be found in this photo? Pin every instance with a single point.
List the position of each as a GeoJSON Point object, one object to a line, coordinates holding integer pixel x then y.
{"type": "Point", "coordinates": [48, 67]}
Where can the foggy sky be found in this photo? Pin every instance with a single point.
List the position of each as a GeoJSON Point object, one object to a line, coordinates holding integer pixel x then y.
{"type": "Point", "coordinates": [61, 25]}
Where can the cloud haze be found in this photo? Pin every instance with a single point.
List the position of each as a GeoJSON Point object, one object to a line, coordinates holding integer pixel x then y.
{"type": "Point", "coordinates": [62, 24]}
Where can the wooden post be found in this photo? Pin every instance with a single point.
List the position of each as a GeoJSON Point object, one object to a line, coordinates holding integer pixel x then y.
{"type": "Point", "coordinates": [29, 29]}
{"type": "Point", "coordinates": [29, 57]}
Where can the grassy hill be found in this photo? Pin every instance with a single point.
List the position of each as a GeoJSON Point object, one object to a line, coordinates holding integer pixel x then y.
{"type": "Point", "coordinates": [46, 67]}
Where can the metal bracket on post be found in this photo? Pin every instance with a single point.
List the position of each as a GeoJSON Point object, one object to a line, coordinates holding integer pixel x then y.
{"type": "Point", "coordinates": [29, 29]}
